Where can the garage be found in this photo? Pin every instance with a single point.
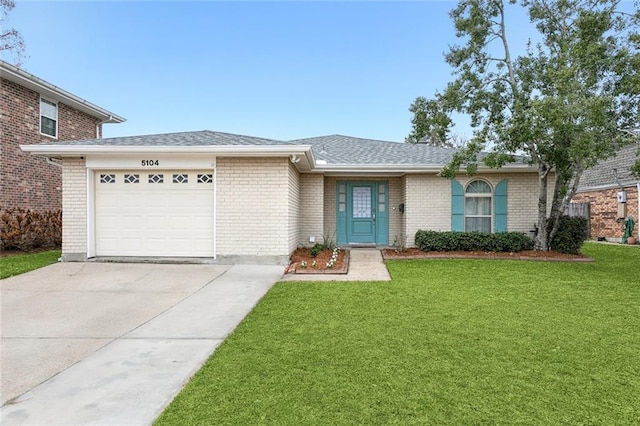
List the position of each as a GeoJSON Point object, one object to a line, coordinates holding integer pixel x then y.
{"type": "Point", "coordinates": [148, 213]}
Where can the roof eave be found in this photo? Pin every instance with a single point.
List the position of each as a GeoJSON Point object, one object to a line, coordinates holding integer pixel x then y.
{"type": "Point", "coordinates": [49, 90]}
{"type": "Point", "coordinates": [409, 168]}
{"type": "Point", "coordinates": [302, 154]}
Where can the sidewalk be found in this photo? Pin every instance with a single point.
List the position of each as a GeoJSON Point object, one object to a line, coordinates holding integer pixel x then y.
{"type": "Point", "coordinates": [365, 264]}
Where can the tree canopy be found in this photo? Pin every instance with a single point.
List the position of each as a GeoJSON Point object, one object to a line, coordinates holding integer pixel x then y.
{"type": "Point", "coordinates": [570, 99]}
{"type": "Point", "coordinates": [10, 39]}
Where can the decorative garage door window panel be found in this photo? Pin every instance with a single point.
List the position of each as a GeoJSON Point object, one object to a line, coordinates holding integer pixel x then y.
{"type": "Point", "coordinates": [108, 178]}
{"type": "Point", "coordinates": [205, 178]}
{"type": "Point", "coordinates": [156, 178]}
{"type": "Point", "coordinates": [181, 178]}
{"type": "Point", "coordinates": [133, 178]}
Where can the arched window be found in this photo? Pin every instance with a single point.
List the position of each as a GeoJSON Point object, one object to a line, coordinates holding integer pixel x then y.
{"type": "Point", "coordinates": [477, 206]}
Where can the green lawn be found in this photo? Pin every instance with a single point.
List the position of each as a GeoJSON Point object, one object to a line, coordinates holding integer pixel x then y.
{"type": "Point", "coordinates": [19, 264]}
{"type": "Point", "coordinates": [446, 342]}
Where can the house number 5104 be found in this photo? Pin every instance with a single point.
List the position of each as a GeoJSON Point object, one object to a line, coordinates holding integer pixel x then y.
{"type": "Point", "coordinates": [150, 163]}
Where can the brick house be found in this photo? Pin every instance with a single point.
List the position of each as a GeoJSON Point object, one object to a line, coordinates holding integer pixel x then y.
{"type": "Point", "coordinates": [600, 185]}
{"type": "Point", "coordinates": [232, 197]}
{"type": "Point", "coordinates": [35, 111]}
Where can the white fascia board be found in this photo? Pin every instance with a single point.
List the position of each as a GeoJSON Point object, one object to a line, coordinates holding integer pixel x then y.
{"type": "Point", "coordinates": [59, 151]}
{"type": "Point", "coordinates": [368, 169]}
{"type": "Point", "coordinates": [606, 187]}
{"type": "Point", "coordinates": [53, 92]}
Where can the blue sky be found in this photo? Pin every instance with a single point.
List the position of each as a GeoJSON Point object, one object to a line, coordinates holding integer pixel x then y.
{"type": "Point", "coordinates": [281, 70]}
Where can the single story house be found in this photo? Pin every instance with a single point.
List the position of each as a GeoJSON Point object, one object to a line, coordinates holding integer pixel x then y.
{"type": "Point", "coordinates": [223, 196]}
{"type": "Point", "coordinates": [601, 185]}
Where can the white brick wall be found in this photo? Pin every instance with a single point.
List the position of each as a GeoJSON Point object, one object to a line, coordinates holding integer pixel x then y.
{"type": "Point", "coordinates": [253, 206]}
{"type": "Point", "coordinates": [294, 208]}
{"type": "Point", "coordinates": [311, 208]}
{"type": "Point", "coordinates": [74, 209]}
{"type": "Point", "coordinates": [428, 204]}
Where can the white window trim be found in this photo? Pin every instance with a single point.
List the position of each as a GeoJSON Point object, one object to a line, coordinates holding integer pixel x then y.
{"type": "Point", "coordinates": [478, 195]}
{"type": "Point", "coordinates": [42, 98]}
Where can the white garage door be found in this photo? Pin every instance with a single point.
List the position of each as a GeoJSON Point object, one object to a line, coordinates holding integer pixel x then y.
{"type": "Point", "coordinates": [154, 213]}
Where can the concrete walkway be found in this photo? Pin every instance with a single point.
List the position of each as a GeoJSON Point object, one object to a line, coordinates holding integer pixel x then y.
{"type": "Point", "coordinates": [131, 378]}
{"type": "Point", "coordinates": [365, 264]}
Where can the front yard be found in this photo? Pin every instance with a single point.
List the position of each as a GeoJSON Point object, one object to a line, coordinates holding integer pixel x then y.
{"type": "Point", "coordinates": [445, 342]}
{"type": "Point", "coordinates": [20, 263]}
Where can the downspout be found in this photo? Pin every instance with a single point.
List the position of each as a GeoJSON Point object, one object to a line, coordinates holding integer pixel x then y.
{"type": "Point", "coordinates": [98, 124]}
{"type": "Point", "coordinates": [49, 160]}
{"type": "Point", "coordinates": [638, 218]}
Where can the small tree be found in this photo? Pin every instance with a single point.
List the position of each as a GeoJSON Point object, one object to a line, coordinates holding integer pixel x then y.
{"type": "Point", "coordinates": [568, 101]}
{"type": "Point", "coordinates": [10, 39]}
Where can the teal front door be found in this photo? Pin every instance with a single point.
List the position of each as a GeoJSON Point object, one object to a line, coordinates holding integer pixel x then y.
{"type": "Point", "coordinates": [362, 213]}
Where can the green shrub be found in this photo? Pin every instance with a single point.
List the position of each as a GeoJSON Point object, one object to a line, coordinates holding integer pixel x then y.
{"type": "Point", "coordinates": [572, 233]}
{"type": "Point", "coordinates": [316, 249]}
{"type": "Point", "coordinates": [472, 241]}
{"type": "Point", "coordinates": [27, 230]}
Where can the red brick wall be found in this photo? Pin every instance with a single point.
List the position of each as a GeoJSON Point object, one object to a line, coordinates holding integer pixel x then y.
{"type": "Point", "coordinates": [28, 181]}
{"type": "Point", "coordinates": [604, 211]}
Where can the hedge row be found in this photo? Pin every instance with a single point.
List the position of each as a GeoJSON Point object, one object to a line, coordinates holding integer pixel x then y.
{"type": "Point", "coordinates": [472, 241]}
{"type": "Point", "coordinates": [28, 230]}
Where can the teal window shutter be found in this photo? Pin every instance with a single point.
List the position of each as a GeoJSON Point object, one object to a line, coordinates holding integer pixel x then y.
{"type": "Point", "coordinates": [500, 196]}
{"type": "Point", "coordinates": [457, 206]}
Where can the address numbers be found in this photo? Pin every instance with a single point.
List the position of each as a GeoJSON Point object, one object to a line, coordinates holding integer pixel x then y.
{"type": "Point", "coordinates": [148, 163]}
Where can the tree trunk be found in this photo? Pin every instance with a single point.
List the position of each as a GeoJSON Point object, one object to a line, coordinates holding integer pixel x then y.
{"type": "Point", "coordinates": [562, 195]}
{"type": "Point", "coordinates": [541, 241]}
{"type": "Point", "coordinates": [557, 208]}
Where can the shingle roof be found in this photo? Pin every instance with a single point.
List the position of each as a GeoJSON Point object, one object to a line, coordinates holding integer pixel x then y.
{"type": "Point", "coordinates": [601, 174]}
{"type": "Point", "coordinates": [199, 138]}
{"type": "Point", "coordinates": [339, 149]}
{"type": "Point", "coordinates": [332, 149]}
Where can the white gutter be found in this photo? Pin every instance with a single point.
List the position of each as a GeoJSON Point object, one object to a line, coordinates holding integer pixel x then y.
{"type": "Point", "coordinates": [407, 168]}
{"type": "Point", "coordinates": [69, 150]}
{"type": "Point", "coordinates": [245, 150]}
{"type": "Point", "coordinates": [49, 90]}
{"type": "Point", "coordinates": [49, 160]}
{"type": "Point", "coordinates": [107, 121]}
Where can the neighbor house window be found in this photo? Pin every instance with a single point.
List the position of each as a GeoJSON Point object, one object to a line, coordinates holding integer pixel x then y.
{"type": "Point", "coordinates": [477, 206]}
{"type": "Point", "coordinates": [48, 118]}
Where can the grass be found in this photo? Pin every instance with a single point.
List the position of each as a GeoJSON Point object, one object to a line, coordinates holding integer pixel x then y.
{"type": "Point", "coordinates": [445, 342]}
{"type": "Point", "coordinates": [21, 263]}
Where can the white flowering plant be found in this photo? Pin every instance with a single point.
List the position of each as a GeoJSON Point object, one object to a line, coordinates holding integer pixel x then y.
{"type": "Point", "coordinates": [334, 258]}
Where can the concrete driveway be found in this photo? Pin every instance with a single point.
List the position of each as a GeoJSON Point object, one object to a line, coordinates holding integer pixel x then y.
{"type": "Point", "coordinates": [107, 343]}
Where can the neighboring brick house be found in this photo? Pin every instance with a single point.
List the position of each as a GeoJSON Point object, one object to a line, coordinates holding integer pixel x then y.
{"type": "Point", "coordinates": [231, 197]}
{"type": "Point", "coordinates": [599, 186]}
{"type": "Point", "coordinates": [35, 111]}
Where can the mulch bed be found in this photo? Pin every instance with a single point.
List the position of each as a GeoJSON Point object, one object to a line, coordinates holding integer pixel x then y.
{"type": "Point", "coordinates": [547, 256]}
{"type": "Point", "coordinates": [302, 254]}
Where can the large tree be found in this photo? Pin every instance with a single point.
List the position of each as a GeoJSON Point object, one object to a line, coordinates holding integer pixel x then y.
{"type": "Point", "coordinates": [570, 98]}
{"type": "Point", "coordinates": [11, 41]}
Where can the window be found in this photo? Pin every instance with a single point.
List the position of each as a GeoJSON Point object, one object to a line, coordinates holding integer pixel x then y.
{"type": "Point", "coordinates": [131, 178]}
{"type": "Point", "coordinates": [477, 206]}
{"type": "Point", "coordinates": [107, 178]}
{"type": "Point", "coordinates": [156, 178]}
{"type": "Point", "coordinates": [205, 178]}
{"type": "Point", "coordinates": [48, 118]}
{"type": "Point", "coordinates": [181, 178]}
